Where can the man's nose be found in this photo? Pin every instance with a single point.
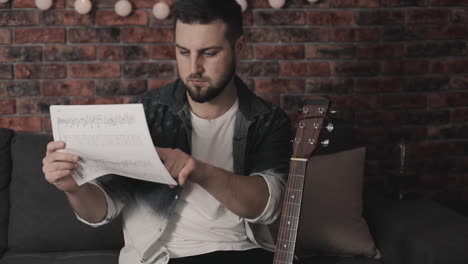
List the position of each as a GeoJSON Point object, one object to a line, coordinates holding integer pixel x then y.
{"type": "Point", "coordinates": [196, 65]}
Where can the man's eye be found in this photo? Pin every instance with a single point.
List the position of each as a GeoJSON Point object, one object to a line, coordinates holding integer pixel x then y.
{"type": "Point", "coordinates": [184, 53]}
{"type": "Point", "coordinates": [209, 54]}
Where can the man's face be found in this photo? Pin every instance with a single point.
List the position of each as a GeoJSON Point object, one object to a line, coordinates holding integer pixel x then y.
{"type": "Point", "coordinates": [205, 59]}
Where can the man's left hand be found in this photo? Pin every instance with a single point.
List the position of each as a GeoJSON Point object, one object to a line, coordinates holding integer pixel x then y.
{"type": "Point", "coordinates": [180, 165]}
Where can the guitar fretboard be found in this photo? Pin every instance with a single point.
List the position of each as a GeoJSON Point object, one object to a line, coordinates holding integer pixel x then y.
{"type": "Point", "coordinates": [286, 240]}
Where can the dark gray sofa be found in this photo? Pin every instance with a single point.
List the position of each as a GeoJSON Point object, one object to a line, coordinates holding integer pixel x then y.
{"type": "Point", "coordinates": [38, 227]}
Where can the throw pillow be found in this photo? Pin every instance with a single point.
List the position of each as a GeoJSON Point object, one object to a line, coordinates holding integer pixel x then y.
{"type": "Point", "coordinates": [331, 221]}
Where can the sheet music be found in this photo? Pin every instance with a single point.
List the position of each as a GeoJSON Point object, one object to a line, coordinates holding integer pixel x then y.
{"type": "Point", "coordinates": [110, 139]}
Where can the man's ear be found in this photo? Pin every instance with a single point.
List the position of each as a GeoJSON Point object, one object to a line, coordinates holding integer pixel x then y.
{"type": "Point", "coordinates": [240, 46]}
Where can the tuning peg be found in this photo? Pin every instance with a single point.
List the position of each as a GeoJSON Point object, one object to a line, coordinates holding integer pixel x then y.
{"type": "Point", "coordinates": [330, 127]}
{"type": "Point", "coordinates": [333, 111]}
{"type": "Point", "coordinates": [325, 143]}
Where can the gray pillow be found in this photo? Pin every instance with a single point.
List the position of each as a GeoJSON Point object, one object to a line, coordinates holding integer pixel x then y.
{"type": "Point", "coordinates": [331, 221]}
{"type": "Point", "coordinates": [40, 216]}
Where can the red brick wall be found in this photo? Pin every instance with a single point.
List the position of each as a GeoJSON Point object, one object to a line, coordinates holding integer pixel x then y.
{"type": "Point", "coordinates": [396, 68]}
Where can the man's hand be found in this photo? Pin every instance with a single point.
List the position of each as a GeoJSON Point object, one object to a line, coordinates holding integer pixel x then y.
{"type": "Point", "coordinates": [58, 167]}
{"type": "Point", "coordinates": [180, 165]}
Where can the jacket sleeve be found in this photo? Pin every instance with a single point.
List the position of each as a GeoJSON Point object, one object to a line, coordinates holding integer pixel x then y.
{"type": "Point", "coordinates": [270, 160]}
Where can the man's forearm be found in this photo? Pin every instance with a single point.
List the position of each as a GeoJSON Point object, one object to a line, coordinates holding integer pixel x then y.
{"type": "Point", "coordinates": [89, 202]}
{"type": "Point", "coordinates": [246, 196]}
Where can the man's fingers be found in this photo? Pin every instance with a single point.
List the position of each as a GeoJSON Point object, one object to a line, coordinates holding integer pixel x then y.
{"type": "Point", "coordinates": [54, 146]}
{"type": "Point", "coordinates": [56, 166]}
{"type": "Point", "coordinates": [56, 176]}
{"type": "Point", "coordinates": [61, 156]}
{"type": "Point", "coordinates": [163, 153]}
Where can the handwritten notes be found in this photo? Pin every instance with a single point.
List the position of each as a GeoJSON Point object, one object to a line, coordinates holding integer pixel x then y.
{"type": "Point", "coordinates": [110, 139]}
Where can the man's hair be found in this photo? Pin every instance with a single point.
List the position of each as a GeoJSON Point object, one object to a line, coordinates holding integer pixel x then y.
{"type": "Point", "coordinates": [207, 11]}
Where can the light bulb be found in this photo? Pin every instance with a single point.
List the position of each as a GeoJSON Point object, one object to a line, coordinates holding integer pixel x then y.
{"type": "Point", "coordinates": [83, 6]}
{"type": "Point", "coordinates": [313, 1]}
{"type": "Point", "coordinates": [123, 8]}
{"type": "Point", "coordinates": [277, 4]}
{"type": "Point", "coordinates": [161, 10]}
{"type": "Point", "coordinates": [3, 1]}
{"type": "Point", "coordinates": [243, 4]}
{"type": "Point", "coordinates": [43, 4]}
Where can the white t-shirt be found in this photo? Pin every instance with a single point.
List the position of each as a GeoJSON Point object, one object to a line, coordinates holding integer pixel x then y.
{"type": "Point", "coordinates": [201, 224]}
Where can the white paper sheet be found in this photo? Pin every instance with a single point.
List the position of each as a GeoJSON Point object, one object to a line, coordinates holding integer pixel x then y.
{"type": "Point", "coordinates": [110, 139]}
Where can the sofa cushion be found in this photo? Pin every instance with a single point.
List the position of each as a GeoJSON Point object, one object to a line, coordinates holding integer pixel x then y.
{"type": "Point", "coordinates": [337, 260]}
{"type": "Point", "coordinates": [40, 216]}
{"type": "Point", "coordinates": [331, 221]}
{"type": "Point", "coordinates": [77, 257]}
{"type": "Point", "coordinates": [5, 172]}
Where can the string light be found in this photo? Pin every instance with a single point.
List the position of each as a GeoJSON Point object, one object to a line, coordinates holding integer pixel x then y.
{"type": "Point", "coordinates": [161, 10]}
{"type": "Point", "coordinates": [243, 4]}
{"type": "Point", "coordinates": [3, 1]}
{"type": "Point", "coordinates": [83, 6]}
{"type": "Point", "coordinates": [43, 4]}
{"type": "Point", "coordinates": [123, 8]}
{"type": "Point", "coordinates": [277, 4]}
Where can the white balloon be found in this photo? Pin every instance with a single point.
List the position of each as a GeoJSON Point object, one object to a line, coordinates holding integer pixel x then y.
{"type": "Point", "coordinates": [277, 4]}
{"type": "Point", "coordinates": [123, 8]}
{"type": "Point", "coordinates": [243, 4]}
{"type": "Point", "coordinates": [43, 4]}
{"type": "Point", "coordinates": [313, 1]}
{"type": "Point", "coordinates": [3, 1]}
{"type": "Point", "coordinates": [161, 10]}
{"type": "Point", "coordinates": [83, 6]}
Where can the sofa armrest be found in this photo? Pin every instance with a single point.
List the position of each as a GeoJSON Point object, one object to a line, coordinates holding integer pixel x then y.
{"type": "Point", "coordinates": [417, 231]}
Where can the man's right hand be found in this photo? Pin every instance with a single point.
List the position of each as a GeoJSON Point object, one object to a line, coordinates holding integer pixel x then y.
{"type": "Point", "coordinates": [58, 167]}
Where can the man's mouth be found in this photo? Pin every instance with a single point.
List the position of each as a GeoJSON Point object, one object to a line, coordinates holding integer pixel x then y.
{"type": "Point", "coordinates": [197, 82]}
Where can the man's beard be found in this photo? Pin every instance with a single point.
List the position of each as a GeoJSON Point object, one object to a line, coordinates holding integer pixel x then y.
{"type": "Point", "coordinates": [211, 92]}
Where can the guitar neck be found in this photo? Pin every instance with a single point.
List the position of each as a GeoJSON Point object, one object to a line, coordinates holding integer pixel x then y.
{"type": "Point", "coordinates": [287, 233]}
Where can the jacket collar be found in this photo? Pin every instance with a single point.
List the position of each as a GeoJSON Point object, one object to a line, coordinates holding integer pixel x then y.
{"type": "Point", "coordinates": [249, 104]}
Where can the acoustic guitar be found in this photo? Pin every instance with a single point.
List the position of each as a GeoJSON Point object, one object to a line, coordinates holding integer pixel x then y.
{"type": "Point", "coordinates": [311, 121]}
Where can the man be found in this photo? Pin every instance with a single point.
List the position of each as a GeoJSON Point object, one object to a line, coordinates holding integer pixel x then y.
{"type": "Point", "coordinates": [227, 149]}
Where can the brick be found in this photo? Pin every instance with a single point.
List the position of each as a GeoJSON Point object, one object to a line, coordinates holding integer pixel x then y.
{"type": "Point", "coordinates": [447, 3]}
{"type": "Point", "coordinates": [279, 86]}
{"type": "Point", "coordinates": [331, 51]}
{"type": "Point", "coordinates": [251, 69]}
{"type": "Point", "coordinates": [355, 102]}
{"type": "Point", "coordinates": [427, 16]}
{"type": "Point", "coordinates": [325, 85]}
{"type": "Point", "coordinates": [143, 3]}
{"type": "Point", "coordinates": [368, 3]}
{"type": "Point", "coordinates": [110, 18]}
{"type": "Point", "coordinates": [459, 115]}
{"type": "Point", "coordinates": [437, 49]}
{"type": "Point", "coordinates": [432, 148]}
{"type": "Point", "coordinates": [305, 69]}
{"type": "Point", "coordinates": [93, 101]}
{"type": "Point", "coordinates": [380, 17]}
{"type": "Point", "coordinates": [123, 53]}
{"type": "Point", "coordinates": [68, 88]}
{"type": "Point", "coordinates": [379, 51]}
{"type": "Point", "coordinates": [258, 4]}
{"type": "Point", "coordinates": [166, 23]}
{"type": "Point", "coordinates": [40, 71]}
{"type": "Point", "coordinates": [31, 124]}
{"type": "Point", "coordinates": [7, 107]}
{"type": "Point", "coordinates": [368, 34]}
{"type": "Point", "coordinates": [158, 83]}
{"type": "Point", "coordinates": [69, 53]}
{"type": "Point", "coordinates": [40, 35]}
{"type": "Point", "coordinates": [280, 52]}
{"type": "Point", "coordinates": [247, 18]}
{"type": "Point", "coordinates": [31, 4]}
{"type": "Point", "coordinates": [279, 17]}
{"type": "Point", "coordinates": [343, 3]}
{"type": "Point", "coordinates": [379, 118]}
{"type": "Point", "coordinates": [6, 5]}
{"type": "Point", "coordinates": [402, 3]}
{"type": "Point", "coordinates": [67, 18]}
{"type": "Point", "coordinates": [458, 83]}
{"type": "Point", "coordinates": [303, 34]}
{"type": "Point", "coordinates": [6, 71]}
{"type": "Point", "coordinates": [330, 17]}
{"type": "Point", "coordinates": [447, 132]}
{"type": "Point", "coordinates": [39, 105]}
{"type": "Point", "coordinates": [19, 18]}
{"type": "Point", "coordinates": [426, 84]}
{"type": "Point", "coordinates": [426, 118]}
{"type": "Point", "coordinates": [20, 54]}
{"type": "Point", "coordinates": [379, 85]}
{"type": "Point", "coordinates": [95, 70]}
{"type": "Point", "coordinates": [389, 135]}
{"type": "Point", "coordinates": [17, 89]}
{"type": "Point", "coordinates": [448, 66]}
{"type": "Point", "coordinates": [247, 53]}
{"type": "Point", "coordinates": [355, 34]}
{"type": "Point", "coordinates": [262, 34]}
{"type": "Point", "coordinates": [5, 36]}
{"type": "Point", "coordinates": [148, 70]}
{"type": "Point", "coordinates": [405, 67]}
{"type": "Point", "coordinates": [459, 16]}
{"type": "Point", "coordinates": [438, 100]}
{"type": "Point", "coordinates": [356, 68]}
{"type": "Point", "coordinates": [436, 32]}
{"type": "Point", "coordinates": [391, 101]}
{"type": "Point", "coordinates": [139, 35]}
{"type": "Point", "coordinates": [116, 87]}
{"type": "Point", "coordinates": [94, 35]}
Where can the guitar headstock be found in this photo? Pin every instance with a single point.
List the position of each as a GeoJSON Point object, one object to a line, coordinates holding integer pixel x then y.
{"type": "Point", "coordinates": [313, 116]}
